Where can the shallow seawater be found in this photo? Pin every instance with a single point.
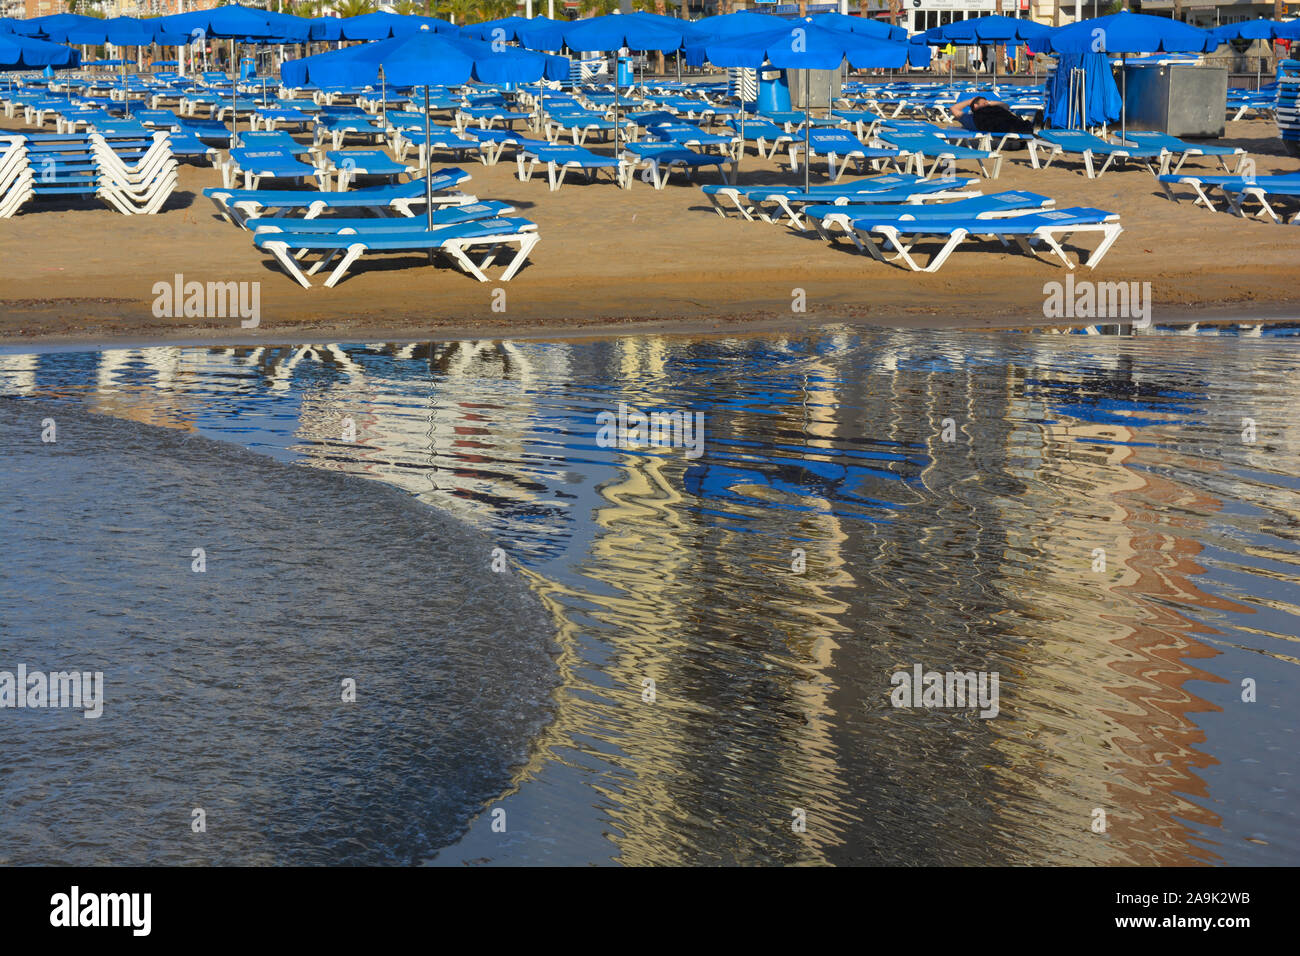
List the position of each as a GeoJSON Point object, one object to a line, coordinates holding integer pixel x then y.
{"type": "Point", "coordinates": [679, 653]}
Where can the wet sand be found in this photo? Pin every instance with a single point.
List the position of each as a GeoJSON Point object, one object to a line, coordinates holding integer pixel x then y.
{"type": "Point", "coordinates": [612, 260]}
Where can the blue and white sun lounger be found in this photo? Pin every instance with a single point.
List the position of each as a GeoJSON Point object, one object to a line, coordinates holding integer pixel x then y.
{"type": "Point", "coordinates": [774, 203]}
{"type": "Point", "coordinates": [441, 138]}
{"type": "Point", "coordinates": [454, 241]}
{"type": "Point", "coordinates": [1173, 146]}
{"type": "Point", "coordinates": [560, 159]}
{"type": "Point", "coordinates": [1073, 142]}
{"type": "Point", "coordinates": [832, 218]}
{"type": "Point", "coordinates": [763, 132]}
{"type": "Point", "coordinates": [919, 145]}
{"type": "Point", "coordinates": [1238, 194]}
{"type": "Point", "coordinates": [1051, 227]}
{"type": "Point", "coordinates": [840, 147]}
{"type": "Point", "coordinates": [452, 215]}
{"type": "Point", "coordinates": [1201, 185]}
{"type": "Point", "coordinates": [657, 161]}
{"type": "Point", "coordinates": [259, 164]}
{"type": "Point", "coordinates": [351, 163]}
{"type": "Point", "coordinates": [241, 205]}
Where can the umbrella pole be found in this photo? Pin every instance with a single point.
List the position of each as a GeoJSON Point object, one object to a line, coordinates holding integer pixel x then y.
{"type": "Point", "coordinates": [1123, 99]}
{"type": "Point", "coordinates": [428, 165]}
{"type": "Point", "coordinates": [807, 157]}
{"type": "Point", "coordinates": [740, 153]}
{"type": "Point", "coordinates": [618, 110]}
{"type": "Point", "coordinates": [234, 97]}
{"type": "Point", "coordinates": [383, 93]}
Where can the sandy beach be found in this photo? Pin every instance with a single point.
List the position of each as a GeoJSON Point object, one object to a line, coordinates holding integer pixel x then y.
{"type": "Point", "coordinates": [612, 259]}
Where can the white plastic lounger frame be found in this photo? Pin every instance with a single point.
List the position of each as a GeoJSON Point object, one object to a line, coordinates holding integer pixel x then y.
{"type": "Point", "coordinates": [1051, 236]}
{"type": "Point", "coordinates": [456, 249]}
{"type": "Point", "coordinates": [557, 167]}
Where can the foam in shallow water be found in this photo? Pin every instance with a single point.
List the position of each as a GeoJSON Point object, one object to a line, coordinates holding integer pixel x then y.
{"type": "Point", "coordinates": [223, 689]}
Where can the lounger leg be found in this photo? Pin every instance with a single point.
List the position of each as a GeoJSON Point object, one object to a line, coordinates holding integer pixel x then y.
{"type": "Point", "coordinates": [354, 252]}
{"type": "Point", "coordinates": [281, 252]}
{"type": "Point", "coordinates": [948, 248]}
{"type": "Point", "coordinates": [1109, 235]}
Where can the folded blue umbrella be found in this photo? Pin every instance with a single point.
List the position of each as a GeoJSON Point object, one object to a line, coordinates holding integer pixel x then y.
{"type": "Point", "coordinates": [1101, 94]}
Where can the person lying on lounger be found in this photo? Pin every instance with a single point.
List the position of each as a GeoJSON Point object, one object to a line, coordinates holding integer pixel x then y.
{"type": "Point", "coordinates": [984, 115]}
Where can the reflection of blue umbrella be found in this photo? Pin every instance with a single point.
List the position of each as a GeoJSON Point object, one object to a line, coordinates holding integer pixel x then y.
{"type": "Point", "coordinates": [422, 59]}
{"type": "Point", "coordinates": [1124, 33]}
{"type": "Point", "coordinates": [803, 45]}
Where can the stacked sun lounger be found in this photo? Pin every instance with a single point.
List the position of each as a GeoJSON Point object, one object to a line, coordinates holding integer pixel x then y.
{"type": "Point", "coordinates": [133, 172]}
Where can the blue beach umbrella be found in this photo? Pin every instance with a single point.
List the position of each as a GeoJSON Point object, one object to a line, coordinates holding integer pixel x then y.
{"type": "Point", "coordinates": [50, 27]}
{"type": "Point", "coordinates": [802, 45]}
{"type": "Point", "coordinates": [1126, 33]}
{"type": "Point", "coordinates": [863, 26]}
{"type": "Point", "coordinates": [1256, 30]}
{"type": "Point", "coordinates": [380, 25]}
{"type": "Point", "coordinates": [978, 31]}
{"type": "Point", "coordinates": [26, 53]}
{"type": "Point", "coordinates": [613, 32]}
{"type": "Point", "coordinates": [236, 23]}
{"type": "Point", "coordinates": [511, 26]}
{"type": "Point", "coordinates": [423, 59]}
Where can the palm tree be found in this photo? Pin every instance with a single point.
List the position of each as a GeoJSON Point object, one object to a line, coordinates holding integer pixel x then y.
{"type": "Point", "coordinates": [354, 8]}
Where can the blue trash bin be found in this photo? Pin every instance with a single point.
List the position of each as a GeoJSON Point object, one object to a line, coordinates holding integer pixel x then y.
{"type": "Point", "coordinates": [625, 77]}
{"type": "Point", "coordinates": [247, 68]}
{"type": "Point", "coordinates": [773, 91]}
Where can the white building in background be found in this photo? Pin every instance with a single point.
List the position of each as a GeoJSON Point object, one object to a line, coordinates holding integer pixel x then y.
{"type": "Point", "coordinates": [1211, 13]}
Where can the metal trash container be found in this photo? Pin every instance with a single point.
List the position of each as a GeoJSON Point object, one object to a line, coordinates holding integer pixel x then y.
{"type": "Point", "coordinates": [1177, 98]}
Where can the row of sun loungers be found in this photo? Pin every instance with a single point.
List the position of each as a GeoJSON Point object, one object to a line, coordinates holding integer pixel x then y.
{"type": "Point", "coordinates": [307, 231]}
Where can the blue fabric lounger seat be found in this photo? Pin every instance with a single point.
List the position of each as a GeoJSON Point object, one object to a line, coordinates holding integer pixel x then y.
{"type": "Point", "coordinates": [1073, 142]}
{"type": "Point", "coordinates": [658, 160]}
{"type": "Point", "coordinates": [774, 203]}
{"type": "Point", "coordinates": [1173, 146]}
{"type": "Point", "coordinates": [560, 159]}
{"type": "Point", "coordinates": [494, 142]}
{"type": "Point", "coordinates": [1201, 185]}
{"type": "Point", "coordinates": [1051, 227]}
{"type": "Point", "coordinates": [326, 225]}
{"type": "Point", "coordinates": [455, 241]}
{"type": "Point", "coordinates": [920, 145]}
{"type": "Point", "coordinates": [241, 205]}
{"type": "Point", "coordinates": [348, 164]}
{"type": "Point", "coordinates": [441, 137]}
{"type": "Point", "coordinates": [766, 136]}
{"type": "Point", "coordinates": [833, 219]}
{"type": "Point", "coordinates": [259, 164]}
